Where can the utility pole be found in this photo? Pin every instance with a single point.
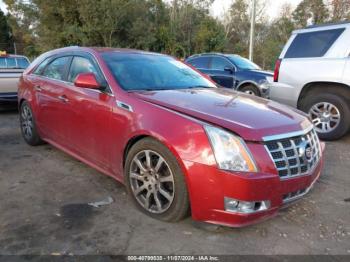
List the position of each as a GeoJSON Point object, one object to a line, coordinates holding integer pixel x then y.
{"type": "Point", "coordinates": [252, 28]}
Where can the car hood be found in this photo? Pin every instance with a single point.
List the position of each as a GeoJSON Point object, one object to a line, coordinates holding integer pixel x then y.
{"type": "Point", "coordinates": [262, 72]}
{"type": "Point", "coordinates": [250, 117]}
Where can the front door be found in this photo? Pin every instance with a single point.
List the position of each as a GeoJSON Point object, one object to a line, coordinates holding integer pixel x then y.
{"type": "Point", "coordinates": [222, 72]}
{"type": "Point", "coordinates": [89, 114]}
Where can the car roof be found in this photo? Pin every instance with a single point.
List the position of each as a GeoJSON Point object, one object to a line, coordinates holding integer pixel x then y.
{"type": "Point", "coordinates": [321, 27]}
{"type": "Point", "coordinates": [102, 50]}
{"type": "Point", "coordinates": [211, 54]}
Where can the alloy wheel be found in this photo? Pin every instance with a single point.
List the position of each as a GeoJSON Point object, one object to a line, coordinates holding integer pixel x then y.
{"type": "Point", "coordinates": [152, 181]}
{"type": "Point", "coordinates": [325, 117]}
{"type": "Point", "coordinates": [27, 123]}
{"type": "Point", "coordinates": [249, 92]}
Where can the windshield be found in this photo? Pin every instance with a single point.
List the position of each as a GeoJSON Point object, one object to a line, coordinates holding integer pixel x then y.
{"type": "Point", "coordinates": [152, 72]}
{"type": "Point", "coordinates": [243, 63]}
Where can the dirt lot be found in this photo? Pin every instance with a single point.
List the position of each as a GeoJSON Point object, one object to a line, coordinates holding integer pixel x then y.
{"type": "Point", "coordinates": [44, 192]}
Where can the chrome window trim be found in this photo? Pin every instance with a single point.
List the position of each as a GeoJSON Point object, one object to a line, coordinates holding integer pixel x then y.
{"type": "Point", "coordinates": [288, 135]}
{"type": "Point", "coordinates": [72, 85]}
{"type": "Point", "coordinates": [111, 93]}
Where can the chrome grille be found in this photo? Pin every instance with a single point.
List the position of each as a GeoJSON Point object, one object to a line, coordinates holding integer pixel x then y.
{"type": "Point", "coordinates": [296, 154]}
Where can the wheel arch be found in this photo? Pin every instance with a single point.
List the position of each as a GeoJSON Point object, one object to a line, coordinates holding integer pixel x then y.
{"type": "Point", "coordinates": [21, 102]}
{"type": "Point", "coordinates": [131, 142]}
{"type": "Point", "coordinates": [323, 85]}
{"type": "Point", "coordinates": [137, 137]}
{"type": "Point", "coordinates": [248, 83]}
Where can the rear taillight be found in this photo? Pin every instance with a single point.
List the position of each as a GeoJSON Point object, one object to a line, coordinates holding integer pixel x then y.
{"type": "Point", "coordinates": [277, 70]}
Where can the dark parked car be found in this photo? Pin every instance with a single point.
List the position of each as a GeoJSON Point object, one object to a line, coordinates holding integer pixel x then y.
{"type": "Point", "coordinates": [233, 71]}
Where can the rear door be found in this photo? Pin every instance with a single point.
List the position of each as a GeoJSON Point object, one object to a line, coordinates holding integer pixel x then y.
{"type": "Point", "coordinates": [201, 63]}
{"type": "Point", "coordinates": [52, 104]}
{"type": "Point", "coordinates": [221, 71]}
{"type": "Point", "coordinates": [89, 112]}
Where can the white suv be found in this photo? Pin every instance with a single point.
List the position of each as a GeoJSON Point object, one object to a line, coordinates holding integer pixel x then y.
{"type": "Point", "coordinates": [313, 74]}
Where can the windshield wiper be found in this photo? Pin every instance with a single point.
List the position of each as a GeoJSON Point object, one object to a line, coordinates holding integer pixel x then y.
{"type": "Point", "coordinates": [199, 86]}
{"type": "Point", "coordinates": [149, 89]}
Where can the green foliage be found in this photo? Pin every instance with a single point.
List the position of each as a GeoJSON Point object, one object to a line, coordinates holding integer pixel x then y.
{"type": "Point", "coordinates": [176, 27]}
{"type": "Point", "coordinates": [6, 42]}
{"type": "Point", "coordinates": [310, 11]}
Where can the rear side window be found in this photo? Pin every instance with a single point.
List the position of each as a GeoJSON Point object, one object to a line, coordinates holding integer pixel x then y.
{"type": "Point", "coordinates": [313, 44]}
{"type": "Point", "coordinates": [200, 62]}
{"type": "Point", "coordinates": [39, 70]}
{"type": "Point", "coordinates": [57, 68]}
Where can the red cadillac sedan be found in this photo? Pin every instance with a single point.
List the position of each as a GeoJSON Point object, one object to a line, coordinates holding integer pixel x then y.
{"type": "Point", "coordinates": [179, 144]}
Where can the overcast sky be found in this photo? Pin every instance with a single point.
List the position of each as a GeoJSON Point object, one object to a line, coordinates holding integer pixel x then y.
{"type": "Point", "coordinates": [219, 6]}
{"type": "Point", "coordinates": [273, 7]}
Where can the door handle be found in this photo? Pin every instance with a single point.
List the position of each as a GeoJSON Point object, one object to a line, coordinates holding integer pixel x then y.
{"type": "Point", "coordinates": [38, 88]}
{"type": "Point", "coordinates": [63, 98]}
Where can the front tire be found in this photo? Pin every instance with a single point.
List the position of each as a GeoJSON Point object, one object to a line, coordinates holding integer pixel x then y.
{"type": "Point", "coordinates": [329, 112]}
{"type": "Point", "coordinates": [251, 90]}
{"type": "Point", "coordinates": [155, 181]}
{"type": "Point", "coordinates": [28, 126]}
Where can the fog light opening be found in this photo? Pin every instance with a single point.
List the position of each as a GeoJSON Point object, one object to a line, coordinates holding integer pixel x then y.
{"type": "Point", "coordinates": [245, 207]}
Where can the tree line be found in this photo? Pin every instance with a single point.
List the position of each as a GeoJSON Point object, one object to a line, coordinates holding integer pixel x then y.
{"type": "Point", "coordinates": [177, 27]}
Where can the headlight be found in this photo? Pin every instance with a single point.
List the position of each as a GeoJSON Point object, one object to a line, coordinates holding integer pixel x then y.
{"type": "Point", "coordinates": [231, 153]}
{"type": "Point", "coordinates": [269, 79]}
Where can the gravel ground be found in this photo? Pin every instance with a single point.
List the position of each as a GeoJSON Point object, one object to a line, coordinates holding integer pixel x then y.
{"type": "Point", "coordinates": [43, 210]}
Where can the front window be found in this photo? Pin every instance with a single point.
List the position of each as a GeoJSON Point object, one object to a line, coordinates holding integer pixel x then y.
{"type": "Point", "coordinates": [218, 63]}
{"type": "Point", "coordinates": [81, 65]}
{"type": "Point", "coordinates": [152, 72]}
{"type": "Point", "coordinates": [243, 63]}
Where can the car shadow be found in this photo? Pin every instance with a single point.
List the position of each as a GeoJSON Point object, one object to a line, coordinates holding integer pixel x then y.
{"type": "Point", "coordinates": [8, 109]}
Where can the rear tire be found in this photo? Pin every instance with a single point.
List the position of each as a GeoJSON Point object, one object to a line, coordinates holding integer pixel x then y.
{"type": "Point", "coordinates": [28, 126]}
{"type": "Point", "coordinates": [159, 191]}
{"type": "Point", "coordinates": [330, 113]}
{"type": "Point", "coordinates": [251, 90]}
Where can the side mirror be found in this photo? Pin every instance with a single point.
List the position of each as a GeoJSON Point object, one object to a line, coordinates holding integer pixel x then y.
{"type": "Point", "coordinates": [87, 80]}
{"type": "Point", "coordinates": [229, 69]}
